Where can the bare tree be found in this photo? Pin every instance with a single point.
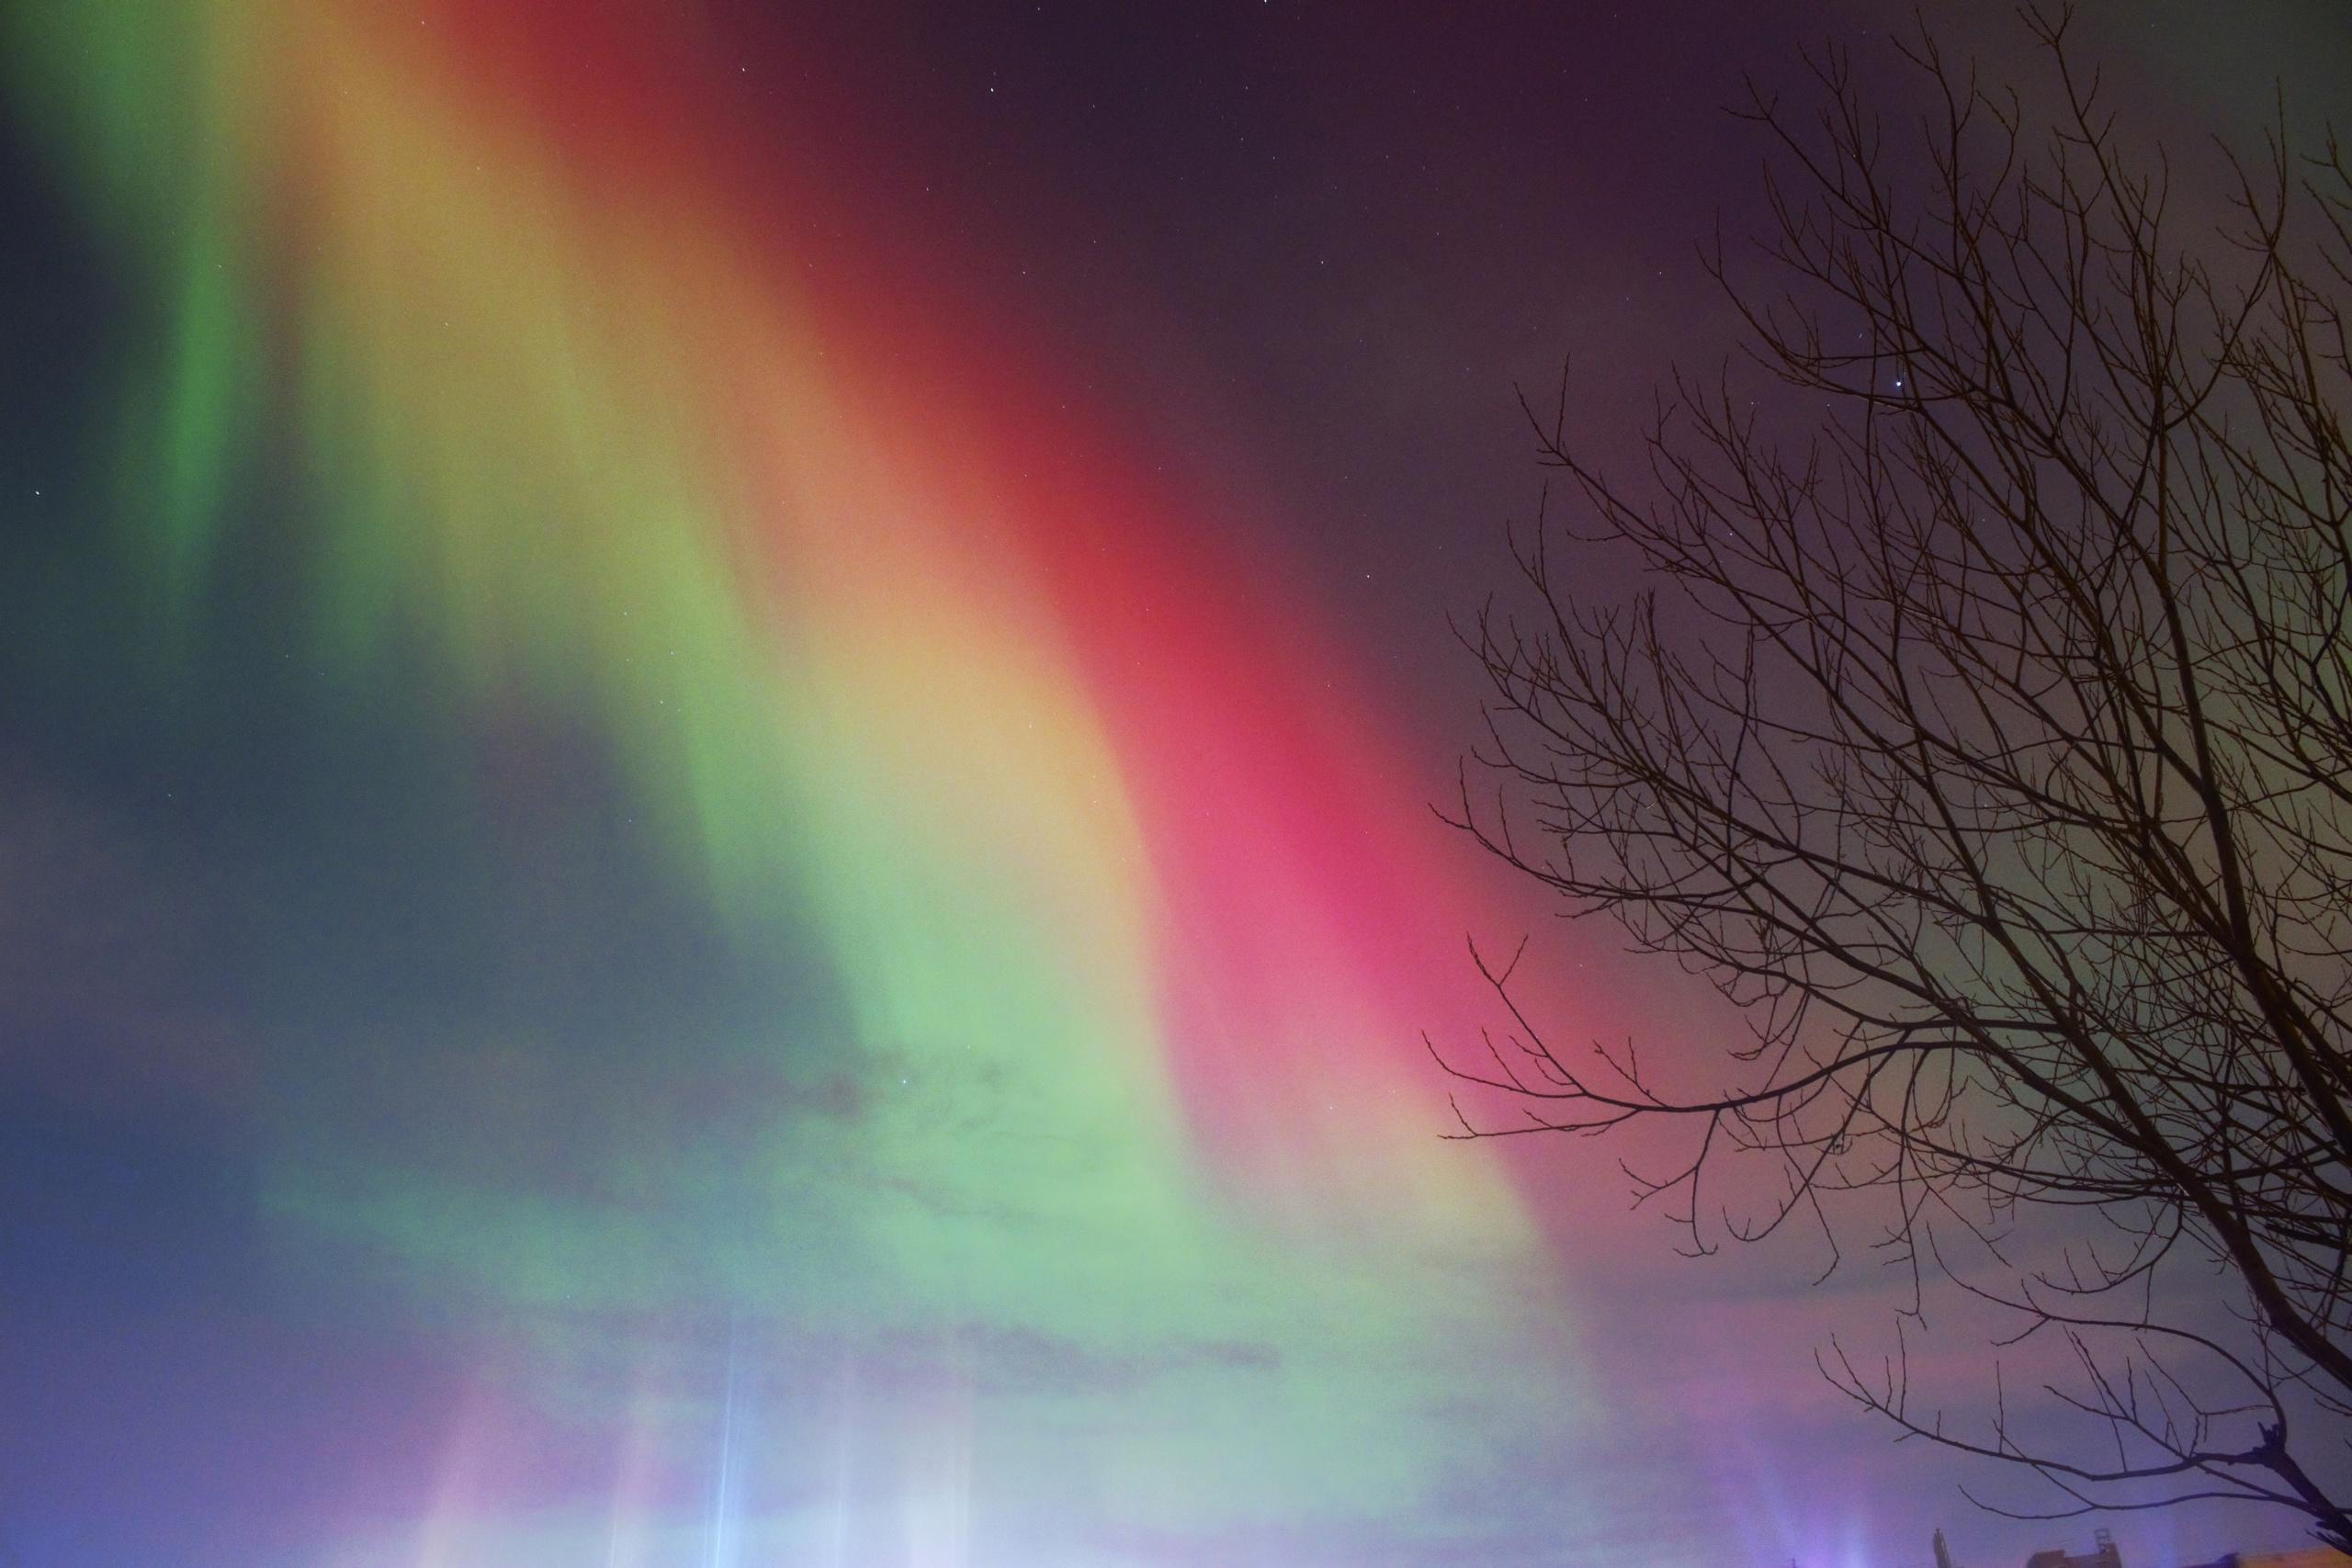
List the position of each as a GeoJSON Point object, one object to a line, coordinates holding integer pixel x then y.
{"type": "Point", "coordinates": [1984, 733]}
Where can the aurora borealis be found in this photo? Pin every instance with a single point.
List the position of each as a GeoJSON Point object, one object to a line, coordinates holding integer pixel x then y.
{"type": "Point", "coordinates": [694, 876]}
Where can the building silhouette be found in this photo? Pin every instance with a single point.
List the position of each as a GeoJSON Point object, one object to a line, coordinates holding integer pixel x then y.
{"type": "Point", "coordinates": [2102, 1555]}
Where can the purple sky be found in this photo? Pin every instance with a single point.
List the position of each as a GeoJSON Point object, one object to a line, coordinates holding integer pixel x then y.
{"type": "Point", "coordinates": [290, 1047]}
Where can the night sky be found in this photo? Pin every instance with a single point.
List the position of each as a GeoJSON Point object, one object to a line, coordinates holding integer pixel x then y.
{"type": "Point", "coordinates": [716, 732]}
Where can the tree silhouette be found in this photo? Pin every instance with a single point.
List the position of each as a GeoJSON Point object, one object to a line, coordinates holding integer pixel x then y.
{"type": "Point", "coordinates": [1985, 738]}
